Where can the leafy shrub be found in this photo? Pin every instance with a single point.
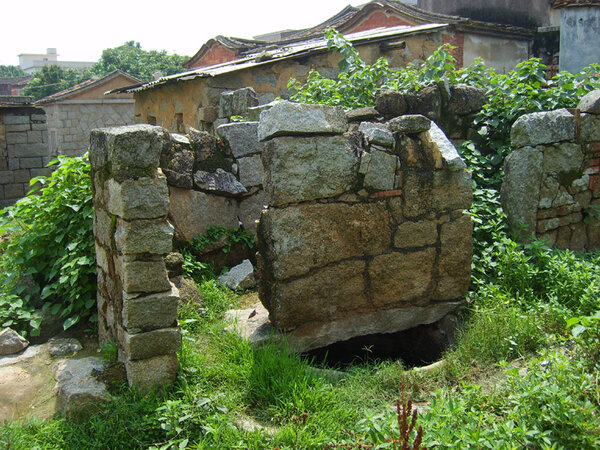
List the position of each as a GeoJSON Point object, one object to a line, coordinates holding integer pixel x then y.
{"type": "Point", "coordinates": [50, 240]}
{"type": "Point", "coordinates": [215, 233]}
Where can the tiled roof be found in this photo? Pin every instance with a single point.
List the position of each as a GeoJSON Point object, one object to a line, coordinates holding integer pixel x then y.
{"type": "Point", "coordinates": [284, 51]}
{"type": "Point", "coordinates": [94, 81]}
{"type": "Point", "coordinates": [571, 3]}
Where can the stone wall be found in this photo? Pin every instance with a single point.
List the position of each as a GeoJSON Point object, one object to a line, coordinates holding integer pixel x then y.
{"type": "Point", "coordinates": [24, 150]}
{"type": "Point", "coordinates": [137, 304]}
{"type": "Point", "coordinates": [551, 184]}
{"type": "Point", "coordinates": [365, 230]}
{"type": "Point", "coordinates": [71, 121]}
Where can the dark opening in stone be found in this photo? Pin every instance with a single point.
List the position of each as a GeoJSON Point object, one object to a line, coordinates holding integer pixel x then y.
{"type": "Point", "coordinates": [415, 347]}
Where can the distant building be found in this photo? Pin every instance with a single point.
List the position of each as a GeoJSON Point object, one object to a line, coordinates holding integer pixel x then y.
{"type": "Point", "coordinates": [13, 85]}
{"type": "Point", "coordinates": [32, 62]}
{"type": "Point", "coordinates": [74, 112]}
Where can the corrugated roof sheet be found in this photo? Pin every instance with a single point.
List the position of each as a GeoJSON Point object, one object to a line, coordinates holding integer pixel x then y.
{"type": "Point", "coordinates": [283, 52]}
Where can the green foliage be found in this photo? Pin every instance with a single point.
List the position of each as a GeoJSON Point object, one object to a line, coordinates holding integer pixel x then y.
{"type": "Point", "coordinates": [11, 72]}
{"type": "Point", "coordinates": [214, 234]}
{"type": "Point", "coordinates": [358, 82]}
{"type": "Point", "coordinates": [217, 299]}
{"type": "Point", "coordinates": [142, 64]}
{"type": "Point", "coordinates": [50, 240]}
{"type": "Point", "coordinates": [51, 79]}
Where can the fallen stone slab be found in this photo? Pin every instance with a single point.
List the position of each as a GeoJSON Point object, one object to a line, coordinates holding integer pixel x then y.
{"type": "Point", "coordinates": [79, 393]}
{"type": "Point", "coordinates": [251, 324]}
{"type": "Point", "coordinates": [11, 342]}
{"type": "Point", "coordinates": [64, 346]}
{"type": "Point", "coordinates": [240, 277]}
{"type": "Point", "coordinates": [219, 182]}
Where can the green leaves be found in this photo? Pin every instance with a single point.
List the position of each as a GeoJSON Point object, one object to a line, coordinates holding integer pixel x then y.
{"type": "Point", "coordinates": [142, 64]}
{"type": "Point", "coordinates": [51, 242]}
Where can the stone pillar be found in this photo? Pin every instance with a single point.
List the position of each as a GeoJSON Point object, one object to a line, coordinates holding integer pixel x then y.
{"type": "Point", "coordinates": [551, 186]}
{"type": "Point", "coordinates": [137, 304]}
{"type": "Point", "coordinates": [365, 230]}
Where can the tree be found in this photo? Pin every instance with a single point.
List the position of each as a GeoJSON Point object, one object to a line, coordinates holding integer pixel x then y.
{"type": "Point", "coordinates": [142, 64]}
{"type": "Point", "coordinates": [11, 72]}
{"type": "Point", "coordinates": [51, 79]}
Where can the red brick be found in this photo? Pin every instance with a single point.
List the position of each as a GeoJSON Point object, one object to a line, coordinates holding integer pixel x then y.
{"type": "Point", "coordinates": [385, 194]}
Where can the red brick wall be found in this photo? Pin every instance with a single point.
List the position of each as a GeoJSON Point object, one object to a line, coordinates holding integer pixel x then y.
{"type": "Point", "coordinates": [457, 39]}
{"type": "Point", "coordinates": [378, 19]}
{"type": "Point", "coordinates": [216, 54]}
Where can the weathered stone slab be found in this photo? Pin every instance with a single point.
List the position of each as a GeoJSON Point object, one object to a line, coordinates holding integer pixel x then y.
{"type": "Point", "coordinates": [64, 347]}
{"type": "Point", "coordinates": [435, 140]}
{"type": "Point", "coordinates": [251, 171]}
{"type": "Point", "coordinates": [288, 119]}
{"type": "Point", "coordinates": [564, 159]}
{"type": "Point", "coordinates": [380, 172]}
{"type": "Point", "coordinates": [152, 343]}
{"type": "Point", "coordinates": [390, 103]}
{"type": "Point", "coordinates": [360, 114]}
{"type": "Point", "coordinates": [144, 198]}
{"type": "Point", "coordinates": [452, 190]}
{"type": "Point", "coordinates": [143, 276]}
{"type": "Point", "coordinates": [416, 234]}
{"type": "Point", "coordinates": [315, 335]}
{"type": "Point", "coordinates": [590, 103]}
{"type": "Point", "coordinates": [308, 168]}
{"type": "Point", "coordinates": [377, 133]}
{"type": "Point", "coordinates": [79, 393]}
{"type": "Point", "coordinates": [150, 312]}
{"type": "Point", "coordinates": [543, 128]}
{"type": "Point", "coordinates": [219, 183]}
{"type": "Point", "coordinates": [240, 277]}
{"type": "Point", "coordinates": [146, 374]}
{"type": "Point", "coordinates": [310, 236]}
{"type": "Point", "coordinates": [242, 137]}
{"type": "Point", "coordinates": [250, 209]}
{"type": "Point", "coordinates": [521, 188]}
{"type": "Point", "coordinates": [326, 294]}
{"type": "Point", "coordinates": [192, 212]}
{"type": "Point", "coordinates": [154, 236]}
{"type": "Point", "coordinates": [179, 169]}
{"type": "Point", "coordinates": [401, 278]}
{"type": "Point", "coordinates": [589, 128]}
{"type": "Point", "coordinates": [410, 124]}
{"type": "Point", "coordinates": [454, 265]}
{"type": "Point", "coordinates": [133, 150]}
{"type": "Point", "coordinates": [465, 99]}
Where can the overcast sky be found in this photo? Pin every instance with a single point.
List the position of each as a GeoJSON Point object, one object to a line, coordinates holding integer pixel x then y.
{"type": "Point", "coordinates": [80, 29]}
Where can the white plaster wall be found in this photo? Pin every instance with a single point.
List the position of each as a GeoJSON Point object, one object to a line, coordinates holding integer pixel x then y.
{"type": "Point", "coordinates": [500, 53]}
{"type": "Point", "coordinates": [579, 38]}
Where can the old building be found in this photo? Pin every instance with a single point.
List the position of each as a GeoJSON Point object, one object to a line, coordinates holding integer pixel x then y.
{"type": "Point", "coordinates": [74, 112]}
{"type": "Point", "coordinates": [13, 85]}
{"type": "Point", "coordinates": [579, 33]}
{"type": "Point", "coordinates": [397, 31]}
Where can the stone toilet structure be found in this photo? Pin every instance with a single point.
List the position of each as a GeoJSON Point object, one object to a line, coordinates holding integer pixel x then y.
{"type": "Point", "coordinates": [362, 224]}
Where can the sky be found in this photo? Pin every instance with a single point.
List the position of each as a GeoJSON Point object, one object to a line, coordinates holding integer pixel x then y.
{"type": "Point", "coordinates": [80, 30]}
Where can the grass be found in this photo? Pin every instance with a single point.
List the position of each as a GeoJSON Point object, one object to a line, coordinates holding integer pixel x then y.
{"type": "Point", "coordinates": [514, 379]}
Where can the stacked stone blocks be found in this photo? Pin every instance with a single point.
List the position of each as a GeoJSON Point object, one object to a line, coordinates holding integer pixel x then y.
{"type": "Point", "coordinates": [24, 152]}
{"type": "Point", "coordinates": [365, 230]}
{"type": "Point", "coordinates": [137, 304]}
{"type": "Point", "coordinates": [551, 186]}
